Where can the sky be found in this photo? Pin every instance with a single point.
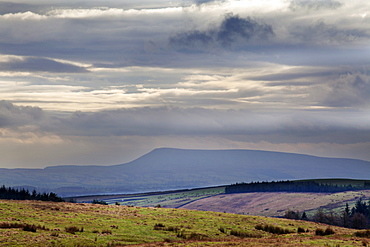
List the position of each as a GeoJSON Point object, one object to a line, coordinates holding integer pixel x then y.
{"type": "Point", "coordinates": [104, 82]}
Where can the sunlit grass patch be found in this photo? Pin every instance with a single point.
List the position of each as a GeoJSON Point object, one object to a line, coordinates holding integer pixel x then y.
{"type": "Point", "coordinates": [104, 225]}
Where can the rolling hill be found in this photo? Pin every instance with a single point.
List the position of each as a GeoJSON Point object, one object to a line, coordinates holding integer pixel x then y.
{"type": "Point", "coordinates": [167, 168]}
{"type": "Point", "coordinates": [275, 204]}
{"type": "Point", "coordinates": [35, 223]}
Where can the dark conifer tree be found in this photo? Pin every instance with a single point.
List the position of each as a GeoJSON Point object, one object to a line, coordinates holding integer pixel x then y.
{"type": "Point", "coordinates": [23, 194]}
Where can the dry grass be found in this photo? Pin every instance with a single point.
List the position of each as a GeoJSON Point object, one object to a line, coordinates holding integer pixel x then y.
{"type": "Point", "coordinates": [99, 225]}
{"type": "Point", "coordinates": [275, 204]}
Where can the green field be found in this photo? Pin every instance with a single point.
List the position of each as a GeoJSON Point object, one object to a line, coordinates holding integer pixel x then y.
{"type": "Point", "coordinates": [99, 225]}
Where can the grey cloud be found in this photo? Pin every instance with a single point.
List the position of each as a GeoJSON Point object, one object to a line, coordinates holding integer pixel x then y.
{"type": "Point", "coordinates": [142, 39]}
{"type": "Point", "coordinates": [45, 6]}
{"type": "Point", "coordinates": [140, 121]}
{"type": "Point", "coordinates": [312, 126]}
{"type": "Point", "coordinates": [233, 30]}
{"type": "Point", "coordinates": [207, 1]}
{"type": "Point", "coordinates": [295, 75]}
{"type": "Point", "coordinates": [314, 5]}
{"type": "Point", "coordinates": [40, 65]}
{"type": "Point", "coordinates": [192, 39]}
{"type": "Point", "coordinates": [14, 116]}
{"type": "Point", "coordinates": [12, 7]}
{"type": "Point", "coordinates": [203, 1]}
{"type": "Point", "coordinates": [348, 91]}
{"type": "Point", "coordinates": [320, 33]}
{"type": "Point", "coordinates": [279, 126]}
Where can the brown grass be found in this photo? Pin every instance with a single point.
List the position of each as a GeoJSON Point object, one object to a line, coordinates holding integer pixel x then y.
{"type": "Point", "coordinates": [276, 204]}
{"type": "Point", "coordinates": [99, 225]}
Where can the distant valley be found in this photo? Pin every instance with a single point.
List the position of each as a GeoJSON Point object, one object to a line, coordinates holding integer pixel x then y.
{"type": "Point", "coordinates": [271, 204]}
{"type": "Point", "coordinates": [168, 169]}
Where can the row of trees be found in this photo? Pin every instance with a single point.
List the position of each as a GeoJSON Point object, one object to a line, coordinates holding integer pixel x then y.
{"type": "Point", "coordinates": [288, 186]}
{"type": "Point", "coordinates": [23, 194]}
{"type": "Point", "coordinates": [358, 217]}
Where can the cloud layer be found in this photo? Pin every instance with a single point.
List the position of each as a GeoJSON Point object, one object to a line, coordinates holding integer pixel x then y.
{"type": "Point", "coordinates": [123, 77]}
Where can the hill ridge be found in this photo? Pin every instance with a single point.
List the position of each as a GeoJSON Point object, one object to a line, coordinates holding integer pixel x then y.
{"type": "Point", "coordinates": [172, 168]}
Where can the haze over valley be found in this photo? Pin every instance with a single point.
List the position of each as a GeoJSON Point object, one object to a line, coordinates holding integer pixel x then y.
{"type": "Point", "coordinates": [169, 169]}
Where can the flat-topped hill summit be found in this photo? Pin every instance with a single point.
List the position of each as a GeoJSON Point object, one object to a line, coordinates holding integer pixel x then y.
{"type": "Point", "coordinates": [168, 168]}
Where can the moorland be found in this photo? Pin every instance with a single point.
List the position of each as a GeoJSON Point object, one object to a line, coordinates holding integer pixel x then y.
{"type": "Point", "coordinates": [37, 223]}
{"type": "Point", "coordinates": [206, 211]}
{"type": "Point", "coordinates": [264, 202]}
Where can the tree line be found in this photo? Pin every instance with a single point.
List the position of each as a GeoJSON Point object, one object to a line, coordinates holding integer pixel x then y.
{"type": "Point", "coordinates": [357, 217]}
{"type": "Point", "coordinates": [290, 186]}
{"type": "Point", "coordinates": [23, 194]}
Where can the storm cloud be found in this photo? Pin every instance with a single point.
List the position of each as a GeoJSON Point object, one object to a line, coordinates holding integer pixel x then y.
{"type": "Point", "coordinates": [232, 30]}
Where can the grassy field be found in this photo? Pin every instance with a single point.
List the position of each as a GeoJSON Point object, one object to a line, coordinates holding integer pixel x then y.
{"type": "Point", "coordinates": [34, 223]}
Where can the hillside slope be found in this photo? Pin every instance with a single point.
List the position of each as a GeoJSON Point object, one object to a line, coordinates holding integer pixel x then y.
{"type": "Point", "coordinates": [34, 223]}
{"type": "Point", "coordinates": [276, 203]}
{"type": "Point", "coordinates": [165, 169]}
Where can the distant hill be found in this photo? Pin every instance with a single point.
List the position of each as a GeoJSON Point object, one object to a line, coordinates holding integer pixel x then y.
{"type": "Point", "coordinates": [167, 168]}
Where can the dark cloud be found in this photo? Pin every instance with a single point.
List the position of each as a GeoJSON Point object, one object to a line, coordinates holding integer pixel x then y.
{"type": "Point", "coordinates": [314, 5]}
{"type": "Point", "coordinates": [40, 65]}
{"type": "Point", "coordinates": [233, 30]}
{"type": "Point", "coordinates": [14, 116]}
